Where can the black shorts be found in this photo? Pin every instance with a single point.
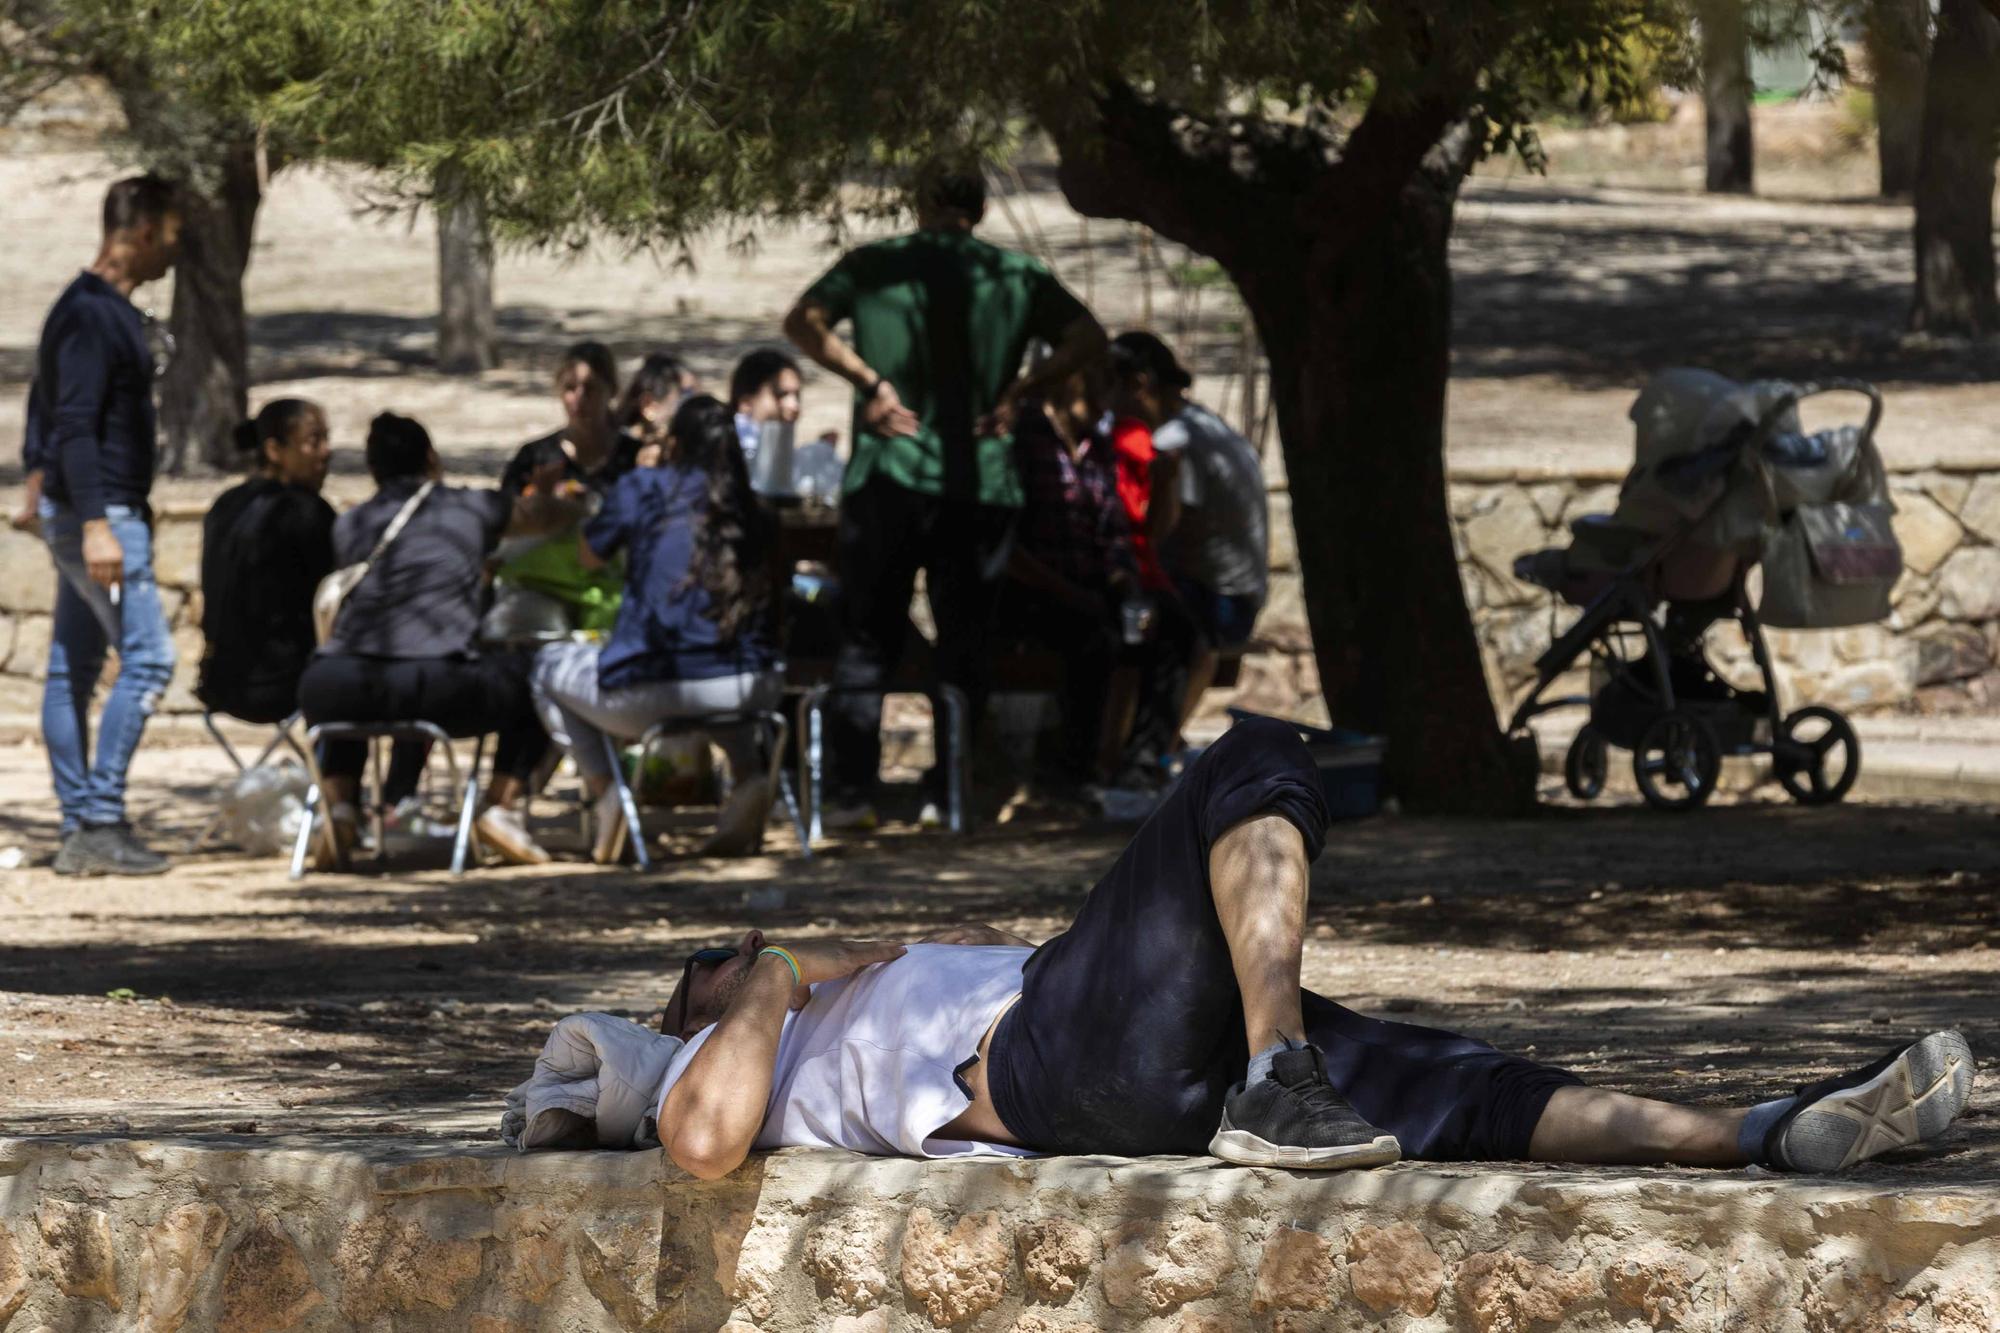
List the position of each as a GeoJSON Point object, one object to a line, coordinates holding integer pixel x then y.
{"type": "Point", "coordinates": [1129, 1031]}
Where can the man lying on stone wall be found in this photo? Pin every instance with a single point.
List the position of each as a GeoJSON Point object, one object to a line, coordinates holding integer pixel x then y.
{"type": "Point", "coordinates": [1169, 1019]}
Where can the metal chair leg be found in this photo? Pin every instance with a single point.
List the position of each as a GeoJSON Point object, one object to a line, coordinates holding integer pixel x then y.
{"type": "Point", "coordinates": [463, 843]}
{"type": "Point", "coordinates": [627, 802]}
{"type": "Point", "coordinates": [958, 762]}
{"type": "Point", "coordinates": [812, 758]}
{"type": "Point", "coordinates": [780, 732]}
{"type": "Point", "coordinates": [304, 840]}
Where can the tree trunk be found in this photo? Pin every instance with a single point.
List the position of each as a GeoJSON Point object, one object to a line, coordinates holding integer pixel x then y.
{"type": "Point", "coordinates": [467, 336]}
{"type": "Point", "coordinates": [1955, 177]}
{"type": "Point", "coordinates": [205, 387]}
{"type": "Point", "coordinates": [1898, 38]}
{"type": "Point", "coordinates": [1725, 94]}
{"type": "Point", "coordinates": [1353, 305]}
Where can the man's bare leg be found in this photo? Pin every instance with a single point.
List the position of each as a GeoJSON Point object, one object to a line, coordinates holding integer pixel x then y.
{"type": "Point", "coordinates": [1257, 872]}
{"type": "Point", "coordinates": [1597, 1125]}
{"type": "Point", "coordinates": [1286, 1111]}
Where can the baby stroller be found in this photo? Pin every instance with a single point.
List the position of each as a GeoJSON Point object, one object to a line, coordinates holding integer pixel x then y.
{"type": "Point", "coordinates": [1724, 480]}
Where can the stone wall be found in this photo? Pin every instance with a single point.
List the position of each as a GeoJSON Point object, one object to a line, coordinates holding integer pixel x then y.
{"type": "Point", "coordinates": [1940, 652]}
{"type": "Point", "coordinates": [243, 1236]}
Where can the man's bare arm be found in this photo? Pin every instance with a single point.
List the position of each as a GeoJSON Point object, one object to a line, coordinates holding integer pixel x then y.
{"type": "Point", "coordinates": [712, 1115]}
{"type": "Point", "coordinates": [974, 935]}
{"type": "Point", "coordinates": [811, 331]}
{"type": "Point", "coordinates": [1081, 343]}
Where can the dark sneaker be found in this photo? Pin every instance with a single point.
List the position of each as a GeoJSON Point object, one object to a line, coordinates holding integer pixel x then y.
{"type": "Point", "coordinates": [1294, 1118]}
{"type": "Point", "coordinates": [112, 850]}
{"type": "Point", "coordinates": [1908, 1096]}
{"type": "Point", "coordinates": [71, 858]}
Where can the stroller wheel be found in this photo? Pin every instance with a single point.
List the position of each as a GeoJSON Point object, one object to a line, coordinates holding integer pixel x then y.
{"type": "Point", "coordinates": [1677, 761]}
{"type": "Point", "coordinates": [1817, 756]}
{"type": "Point", "coordinates": [1588, 764]}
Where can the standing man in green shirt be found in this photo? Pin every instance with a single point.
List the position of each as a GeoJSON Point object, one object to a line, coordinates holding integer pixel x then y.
{"type": "Point", "coordinates": [941, 322]}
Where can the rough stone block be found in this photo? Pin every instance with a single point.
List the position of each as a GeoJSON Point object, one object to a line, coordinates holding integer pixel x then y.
{"type": "Point", "coordinates": [1155, 1267]}
{"type": "Point", "coordinates": [1969, 584]}
{"type": "Point", "coordinates": [1912, 601]}
{"type": "Point", "coordinates": [29, 655]}
{"type": "Point", "coordinates": [1950, 652]}
{"type": "Point", "coordinates": [956, 1275]}
{"type": "Point", "coordinates": [179, 1250]}
{"type": "Point", "coordinates": [1928, 534]}
{"type": "Point", "coordinates": [1549, 498]}
{"type": "Point", "coordinates": [1500, 1292]}
{"type": "Point", "coordinates": [1296, 1272]}
{"type": "Point", "coordinates": [637, 1274]}
{"type": "Point", "coordinates": [1394, 1268]}
{"type": "Point", "coordinates": [27, 575]}
{"type": "Point", "coordinates": [1056, 1257]}
{"type": "Point", "coordinates": [1980, 510]}
{"type": "Point", "coordinates": [80, 1258]}
{"type": "Point", "coordinates": [1511, 528]}
{"type": "Point", "coordinates": [848, 1257]}
{"type": "Point", "coordinates": [13, 1276]}
{"type": "Point", "coordinates": [1947, 488]}
{"type": "Point", "coordinates": [1659, 1281]}
{"type": "Point", "coordinates": [388, 1264]}
{"type": "Point", "coordinates": [531, 1266]}
{"type": "Point", "coordinates": [177, 553]}
{"type": "Point", "coordinates": [1872, 685]}
{"type": "Point", "coordinates": [267, 1286]}
{"type": "Point", "coordinates": [869, 1321]}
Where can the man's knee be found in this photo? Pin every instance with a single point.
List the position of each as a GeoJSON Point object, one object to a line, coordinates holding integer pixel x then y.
{"type": "Point", "coordinates": [1265, 745]}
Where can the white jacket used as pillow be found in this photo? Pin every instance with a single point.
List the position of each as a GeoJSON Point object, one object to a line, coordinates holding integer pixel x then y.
{"type": "Point", "coordinates": [594, 1086]}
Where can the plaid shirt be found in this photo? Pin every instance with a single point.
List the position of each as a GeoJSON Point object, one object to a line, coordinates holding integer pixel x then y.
{"type": "Point", "coordinates": [1073, 521]}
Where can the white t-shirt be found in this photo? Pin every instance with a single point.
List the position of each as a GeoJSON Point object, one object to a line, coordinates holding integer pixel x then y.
{"type": "Point", "coordinates": [870, 1064]}
{"type": "Point", "coordinates": [1223, 539]}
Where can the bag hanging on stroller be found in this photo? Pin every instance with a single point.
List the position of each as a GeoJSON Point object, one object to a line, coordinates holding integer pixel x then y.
{"type": "Point", "coordinates": [1829, 566]}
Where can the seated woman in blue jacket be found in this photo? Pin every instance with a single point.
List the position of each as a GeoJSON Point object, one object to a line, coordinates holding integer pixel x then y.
{"type": "Point", "coordinates": [692, 636]}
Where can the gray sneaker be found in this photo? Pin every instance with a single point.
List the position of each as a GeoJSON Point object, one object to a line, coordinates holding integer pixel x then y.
{"type": "Point", "coordinates": [71, 858]}
{"type": "Point", "coordinates": [108, 849]}
{"type": "Point", "coordinates": [1908, 1096]}
{"type": "Point", "coordinates": [1294, 1118]}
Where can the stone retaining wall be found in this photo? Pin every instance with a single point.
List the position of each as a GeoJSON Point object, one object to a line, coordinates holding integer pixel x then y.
{"type": "Point", "coordinates": [243, 1236]}
{"type": "Point", "coordinates": [1938, 652]}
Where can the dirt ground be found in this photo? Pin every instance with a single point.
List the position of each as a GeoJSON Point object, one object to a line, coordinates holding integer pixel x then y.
{"type": "Point", "coordinates": [1714, 959]}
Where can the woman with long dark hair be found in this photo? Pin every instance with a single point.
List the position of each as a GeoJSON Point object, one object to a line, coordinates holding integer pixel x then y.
{"type": "Point", "coordinates": [692, 634]}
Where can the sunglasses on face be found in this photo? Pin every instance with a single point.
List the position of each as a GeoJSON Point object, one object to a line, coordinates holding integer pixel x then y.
{"type": "Point", "coordinates": [674, 1016]}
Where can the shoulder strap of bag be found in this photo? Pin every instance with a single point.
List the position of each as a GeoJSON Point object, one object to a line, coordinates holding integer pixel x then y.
{"type": "Point", "coordinates": [396, 524]}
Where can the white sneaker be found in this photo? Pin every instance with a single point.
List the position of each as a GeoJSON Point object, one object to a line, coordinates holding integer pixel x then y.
{"type": "Point", "coordinates": [859, 818]}
{"type": "Point", "coordinates": [501, 830]}
{"type": "Point", "coordinates": [930, 817]}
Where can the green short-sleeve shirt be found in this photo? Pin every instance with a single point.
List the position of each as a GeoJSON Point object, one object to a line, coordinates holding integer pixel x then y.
{"type": "Point", "coordinates": [946, 318]}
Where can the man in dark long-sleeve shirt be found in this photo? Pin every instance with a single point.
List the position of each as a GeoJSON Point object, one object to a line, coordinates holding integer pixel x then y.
{"type": "Point", "coordinates": [94, 378]}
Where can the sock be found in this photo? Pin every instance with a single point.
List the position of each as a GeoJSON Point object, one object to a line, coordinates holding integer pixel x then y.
{"type": "Point", "coordinates": [1750, 1138]}
{"type": "Point", "coordinates": [1260, 1063]}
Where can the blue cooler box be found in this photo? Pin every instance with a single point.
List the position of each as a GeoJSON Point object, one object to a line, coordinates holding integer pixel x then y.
{"type": "Point", "coordinates": [1350, 766]}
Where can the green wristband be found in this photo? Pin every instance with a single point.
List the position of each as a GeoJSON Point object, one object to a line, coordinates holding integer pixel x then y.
{"type": "Point", "coordinates": [798, 978]}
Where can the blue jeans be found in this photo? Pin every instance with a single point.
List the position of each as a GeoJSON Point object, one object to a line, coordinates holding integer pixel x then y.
{"type": "Point", "coordinates": [87, 622]}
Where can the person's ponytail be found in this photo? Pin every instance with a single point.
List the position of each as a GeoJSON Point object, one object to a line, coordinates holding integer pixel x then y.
{"type": "Point", "coordinates": [246, 440]}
